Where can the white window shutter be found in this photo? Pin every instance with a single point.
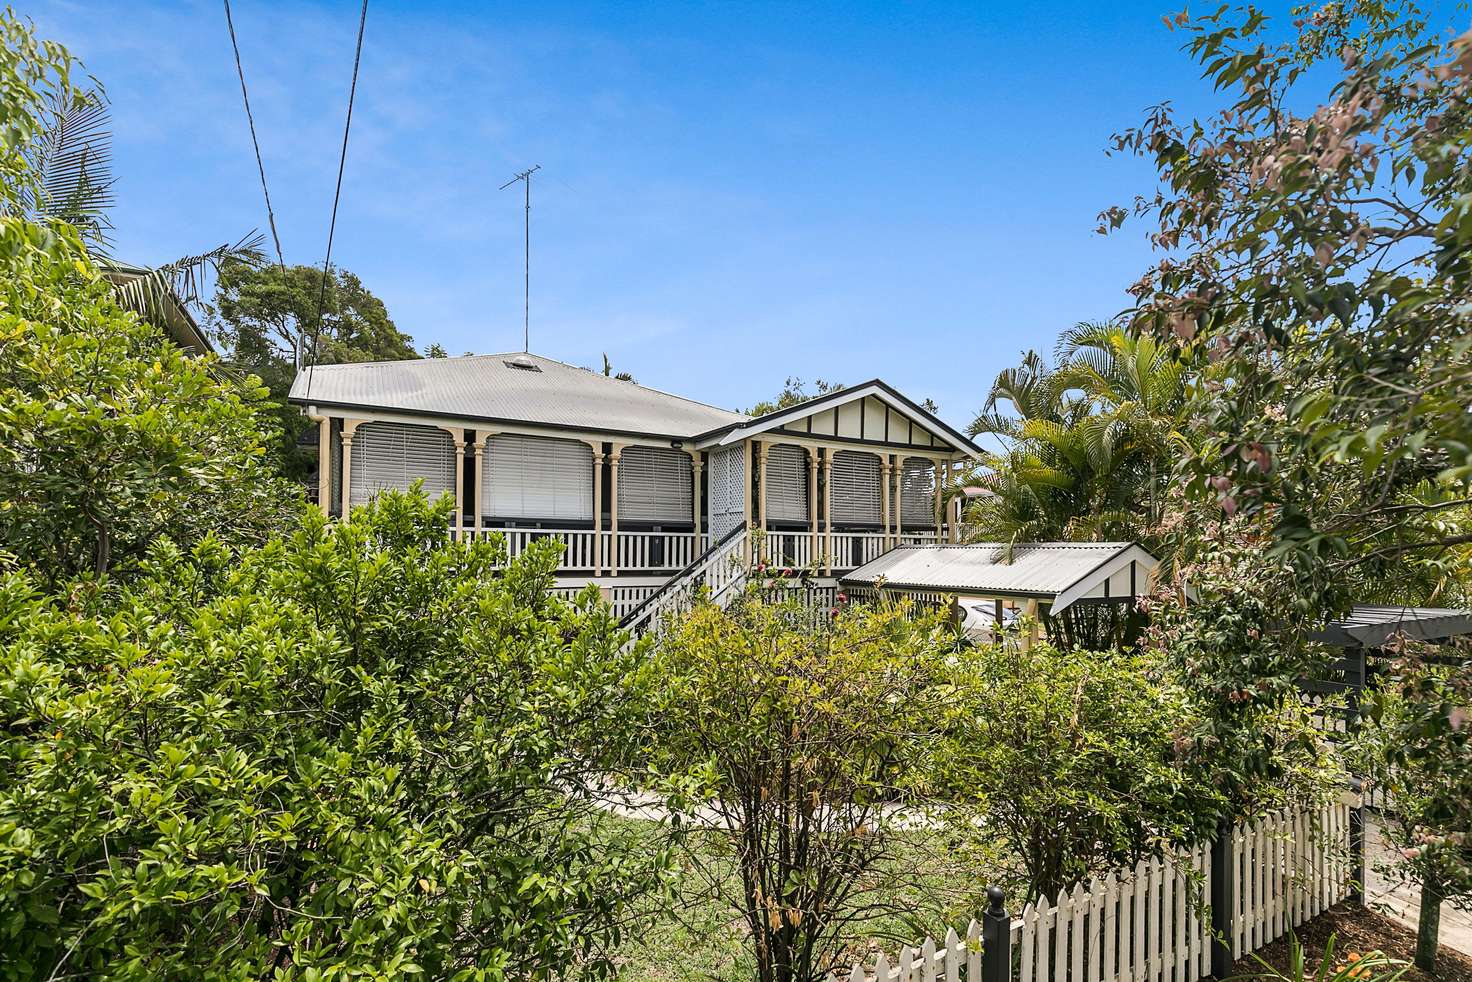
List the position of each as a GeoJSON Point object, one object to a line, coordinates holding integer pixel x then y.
{"type": "Point", "coordinates": [786, 494]}
{"type": "Point", "coordinates": [654, 485]}
{"type": "Point", "coordinates": [392, 456]}
{"type": "Point", "coordinates": [856, 487]}
{"type": "Point", "coordinates": [917, 491]}
{"type": "Point", "coordinates": [534, 477]}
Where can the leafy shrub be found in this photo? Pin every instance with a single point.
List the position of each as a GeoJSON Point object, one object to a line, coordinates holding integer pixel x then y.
{"type": "Point", "coordinates": [111, 436]}
{"type": "Point", "coordinates": [1074, 760]}
{"type": "Point", "coordinates": [795, 739]}
{"type": "Point", "coordinates": [362, 749]}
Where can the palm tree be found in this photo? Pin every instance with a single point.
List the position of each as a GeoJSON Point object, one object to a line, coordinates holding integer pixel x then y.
{"type": "Point", "coordinates": [1135, 381]}
{"type": "Point", "coordinates": [72, 182]}
{"type": "Point", "coordinates": [1085, 445]}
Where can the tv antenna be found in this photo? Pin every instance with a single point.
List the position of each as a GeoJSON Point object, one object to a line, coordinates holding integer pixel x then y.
{"type": "Point", "coordinates": [526, 286]}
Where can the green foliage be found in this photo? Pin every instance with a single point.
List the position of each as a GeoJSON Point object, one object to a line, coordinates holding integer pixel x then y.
{"type": "Point", "coordinates": [1322, 263]}
{"type": "Point", "coordinates": [361, 750]}
{"type": "Point", "coordinates": [795, 739]}
{"type": "Point", "coordinates": [1077, 762]}
{"type": "Point", "coordinates": [263, 317]}
{"type": "Point", "coordinates": [1316, 240]}
{"type": "Point", "coordinates": [1087, 444]}
{"type": "Point", "coordinates": [1374, 966]}
{"type": "Point", "coordinates": [794, 393]}
{"type": "Point", "coordinates": [35, 81]}
{"type": "Point", "coordinates": [1416, 743]}
{"type": "Point", "coordinates": [1241, 662]}
{"type": "Point", "coordinates": [109, 435]}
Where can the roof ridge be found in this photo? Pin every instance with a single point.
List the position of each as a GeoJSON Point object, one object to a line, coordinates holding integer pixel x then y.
{"type": "Point", "coordinates": [639, 385]}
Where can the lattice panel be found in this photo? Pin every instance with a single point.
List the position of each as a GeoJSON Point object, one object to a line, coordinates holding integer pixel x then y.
{"type": "Point", "coordinates": [727, 491]}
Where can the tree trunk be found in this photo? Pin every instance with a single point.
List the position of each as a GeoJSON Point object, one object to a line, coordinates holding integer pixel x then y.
{"type": "Point", "coordinates": [1428, 925]}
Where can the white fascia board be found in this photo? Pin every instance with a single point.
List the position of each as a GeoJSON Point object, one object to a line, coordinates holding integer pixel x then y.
{"type": "Point", "coordinates": [747, 430]}
{"type": "Point", "coordinates": [1084, 586]}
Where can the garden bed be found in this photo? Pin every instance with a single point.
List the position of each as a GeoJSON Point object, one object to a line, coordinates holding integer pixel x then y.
{"type": "Point", "coordinates": [1359, 930]}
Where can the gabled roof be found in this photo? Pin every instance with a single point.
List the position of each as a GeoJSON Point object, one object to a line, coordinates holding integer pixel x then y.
{"type": "Point", "coordinates": [492, 389]}
{"type": "Point", "coordinates": [830, 405]}
{"type": "Point", "coordinates": [1059, 573]}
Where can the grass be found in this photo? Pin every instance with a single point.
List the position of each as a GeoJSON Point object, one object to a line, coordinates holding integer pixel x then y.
{"type": "Point", "coordinates": [922, 889]}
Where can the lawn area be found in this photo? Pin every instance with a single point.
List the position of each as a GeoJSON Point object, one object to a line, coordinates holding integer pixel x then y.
{"type": "Point", "coordinates": [921, 890]}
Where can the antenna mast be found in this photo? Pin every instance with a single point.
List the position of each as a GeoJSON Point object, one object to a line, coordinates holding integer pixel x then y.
{"type": "Point", "coordinates": [526, 286]}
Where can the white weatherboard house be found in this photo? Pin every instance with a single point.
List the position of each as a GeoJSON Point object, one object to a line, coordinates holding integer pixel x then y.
{"type": "Point", "coordinates": [637, 484]}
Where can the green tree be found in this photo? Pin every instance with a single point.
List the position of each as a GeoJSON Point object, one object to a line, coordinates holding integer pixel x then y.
{"type": "Point", "coordinates": [361, 750]}
{"type": "Point", "coordinates": [1077, 763]}
{"type": "Point", "coordinates": [795, 740]}
{"type": "Point", "coordinates": [794, 393]}
{"type": "Point", "coordinates": [1069, 468]}
{"type": "Point", "coordinates": [35, 83]}
{"type": "Point", "coordinates": [608, 371]}
{"type": "Point", "coordinates": [58, 168]}
{"type": "Point", "coordinates": [1416, 741]}
{"type": "Point", "coordinates": [109, 435]}
{"type": "Point", "coordinates": [1316, 250]}
{"type": "Point", "coordinates": [267, 322]}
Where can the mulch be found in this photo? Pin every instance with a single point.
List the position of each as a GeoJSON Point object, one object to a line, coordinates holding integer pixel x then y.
{"type": "Point", "coordinates": [1357, 929]}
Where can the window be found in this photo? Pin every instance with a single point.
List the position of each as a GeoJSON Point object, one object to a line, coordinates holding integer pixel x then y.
{"type": "Point", "coordinates": [917, 491]}
{"type": "Point", "coordinates": [856, 484]}
{"type": "Point", "coordinates": [786, 494]}
{"type": "Point", "coordinates": [654, 485]}
{"type": "Point", "coordinates": [538, 477]}
{"type": "Point", "coordinates": [392, 456]}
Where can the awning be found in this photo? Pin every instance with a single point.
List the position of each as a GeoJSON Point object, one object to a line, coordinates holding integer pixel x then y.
{"type": "Point", "coordinates": [1374, 625]}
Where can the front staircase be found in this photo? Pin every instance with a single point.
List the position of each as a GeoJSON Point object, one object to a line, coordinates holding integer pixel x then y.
{"type": "Point", "coordinates": [721, 570]}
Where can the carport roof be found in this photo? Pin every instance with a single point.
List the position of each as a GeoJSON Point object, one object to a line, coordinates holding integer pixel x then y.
{"type": "Point", "coordinates": [1058, 572]}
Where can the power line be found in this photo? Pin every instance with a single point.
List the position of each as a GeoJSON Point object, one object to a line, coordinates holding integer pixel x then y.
{"type": "Point", "coordinates": [337, 194]}
{"type": "Point", "coordinates": [260, 165]}
{"type": "Point", "coordinates": [526, 282]}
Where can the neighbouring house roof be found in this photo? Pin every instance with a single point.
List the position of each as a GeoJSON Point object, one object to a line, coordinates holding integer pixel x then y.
{"type": "Point", "coordinates": [178, 322]}
{"type": "Point", "coordinates": [1373, 626]}
{"type": "Point", "coordinates": [488, 388]}
{"type": "Point", "coordinates": [1059, 573]}
{"type": "Point", "coordinates": [828, 404]}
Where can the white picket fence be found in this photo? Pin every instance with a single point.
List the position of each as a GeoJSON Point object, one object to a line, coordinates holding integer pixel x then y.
{"type": "Point", "coordinates": [1291, 867]}
{"type": "Point", "coordinates": [1152, 923]}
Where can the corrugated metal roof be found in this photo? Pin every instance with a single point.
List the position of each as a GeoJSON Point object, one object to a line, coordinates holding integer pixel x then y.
{"type": "Point", "coordinates": [1373, 625]}
{"type": "Point", "coordinates": [1037, 569]}
{"type": "Point", "coordinates": [486, 387]}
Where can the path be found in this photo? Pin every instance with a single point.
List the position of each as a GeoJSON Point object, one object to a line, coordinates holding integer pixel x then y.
{"type": "Point", "coordinates": [1401, 900]}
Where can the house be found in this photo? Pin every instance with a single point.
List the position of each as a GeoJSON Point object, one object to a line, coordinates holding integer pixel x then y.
{"type": "Point", "coordinates": [637, 484]}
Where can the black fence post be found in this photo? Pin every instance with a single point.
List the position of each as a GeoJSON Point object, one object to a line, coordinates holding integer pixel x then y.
{"type": "Point", "coordinates": [1357, 843]}
{"type": "Point", "coordinates": [1223, 902]}
{"type": "Point", "coordinates": [996, 939]}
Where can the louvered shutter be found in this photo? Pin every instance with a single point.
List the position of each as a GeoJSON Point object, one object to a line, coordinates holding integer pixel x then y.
{"type": "Point", "coordinates": [917, 491]}
{"type": "Point", "coordinates": [392, 456]}
{"type": "Point", "coordinates": [334, 454]}
{"type": "Point", "coordinates": [856, 487]}
{"type": "Point", "coordinates": [786, 494]}
{"type": "Point", "coordinates": [654, 485]}
{"type": "Point", "coordinates": [727, 491]}
{"type": "Point", "coordinates": [535, 477]}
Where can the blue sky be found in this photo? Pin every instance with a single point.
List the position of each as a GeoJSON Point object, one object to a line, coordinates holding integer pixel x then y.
{"type": "Point", "coordinates": [730, 193]}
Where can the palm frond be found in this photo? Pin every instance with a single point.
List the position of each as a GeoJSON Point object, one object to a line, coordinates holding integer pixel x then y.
{"type": "Point", "coordinates": [153, 292]}
{"type": "Point", "coordinates": [72, 164]}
